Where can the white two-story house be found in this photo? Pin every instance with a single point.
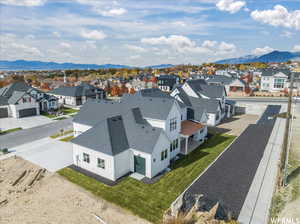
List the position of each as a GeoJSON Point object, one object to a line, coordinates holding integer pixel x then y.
{"type": "Point", "coordinates": [139, 134]}
{"type": "Point", "coordinates": [273, 81]}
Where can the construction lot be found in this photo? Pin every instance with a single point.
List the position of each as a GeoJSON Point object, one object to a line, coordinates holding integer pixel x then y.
{"type": "Point", "coordinates": [30, 194]}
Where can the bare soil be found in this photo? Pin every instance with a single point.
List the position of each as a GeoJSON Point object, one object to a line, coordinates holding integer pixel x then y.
{"type": "Point", "coordinates": [291, 208]}
{"type": "Point", "coordinates": [29, 194]}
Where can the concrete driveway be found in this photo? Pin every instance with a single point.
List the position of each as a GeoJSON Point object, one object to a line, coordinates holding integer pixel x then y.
{"type": "Point", "coordinates": [48, 153]}
{"type": "Point", "coordinates": [26, 122]}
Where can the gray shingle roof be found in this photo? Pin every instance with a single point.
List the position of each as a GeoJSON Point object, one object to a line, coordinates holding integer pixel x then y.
{"type": "Point", "coordinates": [76, 91]}
{"type": "Point", "coordinates": [17, 86]}
{"type": "Point", "coordinates": [16, 96]}
{"type": "Point", "coordinates": [204, 105]}
{"type": "Point", "coordinates": [94, 111]}
{"type": "Point", "coordinates": [200, 86]}
{"type": "Point", "coordinates": [116, 134]}
{"type": "Point", "coordinates": [3, 101]}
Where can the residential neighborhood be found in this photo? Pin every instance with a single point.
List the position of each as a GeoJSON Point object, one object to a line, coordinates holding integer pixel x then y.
{"type": "Point", "coordinates": [149, 112]}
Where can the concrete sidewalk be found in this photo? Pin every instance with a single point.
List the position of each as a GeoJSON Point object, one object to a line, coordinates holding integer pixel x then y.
{"type": "Point", "coordinates": [258, 201]}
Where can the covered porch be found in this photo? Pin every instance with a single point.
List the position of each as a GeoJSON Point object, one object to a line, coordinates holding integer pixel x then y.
{"type": "Point", "coordinates": [193, 135]}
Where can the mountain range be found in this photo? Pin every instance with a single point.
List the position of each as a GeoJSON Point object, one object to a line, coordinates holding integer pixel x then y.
{"type": "Point", "coordinates": [23, 65]}
{"type": "Point", "coordinates": [274, 56]}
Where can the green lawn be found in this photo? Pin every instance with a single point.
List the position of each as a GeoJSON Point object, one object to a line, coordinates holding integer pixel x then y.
{"type": "Point", "coordinates": [67, 139]}
{"type": "Point", "coordinates": [67, 111]}
{"type": "Point", "coordinates": [150, 201]}
{"type": "Point", "coordinates": [48, 115]}
{"type": "Point", "coordinates": [62, 134]}
{"type": "Point", "coordinates": [9, 131]}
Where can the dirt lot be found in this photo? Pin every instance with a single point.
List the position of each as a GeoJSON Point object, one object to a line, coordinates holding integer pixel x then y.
{"type": "Point", "coordinates": [30, 194]}
{"type": "Point", "coordinates": [235, 125]}
{"type": "Point", "coordinates": [291, 207]}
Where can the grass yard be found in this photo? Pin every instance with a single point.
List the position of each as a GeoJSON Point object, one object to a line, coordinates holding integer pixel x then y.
{"type": "Point", "coordinates": [150, 201]}
{"type": "Point", "coordinates": [62, 134]}
{"type": "Point", "coordinates": [67, 139]}
{"type": "Point", "coordinates": [48, 115]}
{"type": "Point", "coordinates": [9, 131]}
{"type": "Point", "coordinates": [67, 111]}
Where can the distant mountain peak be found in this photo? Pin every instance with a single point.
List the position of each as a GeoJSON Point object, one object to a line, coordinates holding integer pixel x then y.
{"type": "Point", "coordinates": [274, 56]}
{"type": "Point", "coordinates": [40, 65]}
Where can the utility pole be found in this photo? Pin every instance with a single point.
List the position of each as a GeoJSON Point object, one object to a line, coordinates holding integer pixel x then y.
{"type": "Point", "coordinates": [284, 153]}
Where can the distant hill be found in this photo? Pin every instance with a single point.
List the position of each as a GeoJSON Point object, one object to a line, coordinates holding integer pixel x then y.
{"type": "Point", "coordinates": [39, 65]}
{"type": "Point", "coordinates": [162, 66]}
{"type": "Point", "coordinates": [274, 56]}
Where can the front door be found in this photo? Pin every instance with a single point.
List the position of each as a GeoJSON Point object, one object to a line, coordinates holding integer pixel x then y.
{"type": "Point", "coordinates": [139, 165]}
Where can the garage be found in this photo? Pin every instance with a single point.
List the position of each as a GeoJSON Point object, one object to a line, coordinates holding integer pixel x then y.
{"type": "Point", "coordinates": [27, 112]}
{"type": "Point", "coordinates": [3, 112]}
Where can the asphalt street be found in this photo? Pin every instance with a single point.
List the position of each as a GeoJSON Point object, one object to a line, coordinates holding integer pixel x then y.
{"type": "Point", "coordinates": [32, 134]}
{"type": "Point", "coordinates": [261, 99]}
{"type": "Point", "coordinates": [229, 179]}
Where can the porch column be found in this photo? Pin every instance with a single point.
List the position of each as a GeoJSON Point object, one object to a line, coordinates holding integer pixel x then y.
{"type": "Point", "coordinates": [186, 144]}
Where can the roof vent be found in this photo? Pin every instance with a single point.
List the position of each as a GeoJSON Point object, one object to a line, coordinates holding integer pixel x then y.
{"type": "Point", "coordinates": [153, 129]}
{"type": "Point", "coordinates": [143, 126]}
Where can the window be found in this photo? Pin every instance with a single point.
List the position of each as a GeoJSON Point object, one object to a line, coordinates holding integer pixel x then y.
{"type": "Point", "coordinates": [101, 163]}
{"type": "Point", "coordinates": [174, 145]}
{"type": "Point", "coordinates": [279, 83]}
{"type": "Point", "coordinates": [173, 124]}
{"type": "Point", "coordinates": [86, 158]}
{"type": "Point", "coordinates": [164, 154]}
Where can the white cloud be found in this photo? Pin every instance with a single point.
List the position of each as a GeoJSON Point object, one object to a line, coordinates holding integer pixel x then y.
{"type": "Point", "coordinates": [287, 34]}
{"type": "Point", "coordinates": [65, 45]}
{"type": "Point", "coordinates": [23, 2]}
{"type": "Point", "coordinates": [263, 50]}
{"type": "Point", "coordinates": [56, 34]}
{"type": "Point", "coordinates": [93, 34]}
{"type": "Point", "coordinates": [177, 42]}
{"type": "Point", "coordinates": [112, 12]}
{"type": "Point", "coordinates": [209, 43]}
{"type": "Point", "coordinates": [135, 48]}
{"type": "Point", "coordinates": [296, 48]}
{"type": "Point", "coordinates": [225, 48]}
{"type": "Point", "coordinates": [179, 23]}
{"type": "Point", "coordinates": [231, 6]}
{"type": "Point", "coordinates": [278, 16]}
{"type": "Point", "coordinates": [182, 44]}
{"type": "Point", "coordinates": [9, 45]}
{"type": "Point", "coordinates": [134, 57]}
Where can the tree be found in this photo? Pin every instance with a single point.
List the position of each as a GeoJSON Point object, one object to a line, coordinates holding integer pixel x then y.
{"type": "Point", "coordinates": [123, 89]}
{"type": "Point", "coordinates": [132, 91]}
{"type": "Point", "coordinates": [115, 91]}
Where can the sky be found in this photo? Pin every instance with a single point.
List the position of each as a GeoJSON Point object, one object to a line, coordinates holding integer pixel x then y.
{"type": "Point", "coordinates": [146, 32]}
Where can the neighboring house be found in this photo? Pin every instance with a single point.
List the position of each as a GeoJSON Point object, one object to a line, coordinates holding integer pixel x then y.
{"type": "Point", "coordinates": [20, 100]}
{"type": "Point", "coordinates": [140, 133]}
{"type": "Point", "coordinates": [167, 82]}
{"type": "Point", "coordinates": [273, 81]}
{"type": "Point", "coordinates": [201, 89]}
{"type": "Point", "coordinates": [231, 84]}
{"type": "Point", "coordinates": [77, 95]}
{"type": "Point", "coordinates": [203, 110]}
